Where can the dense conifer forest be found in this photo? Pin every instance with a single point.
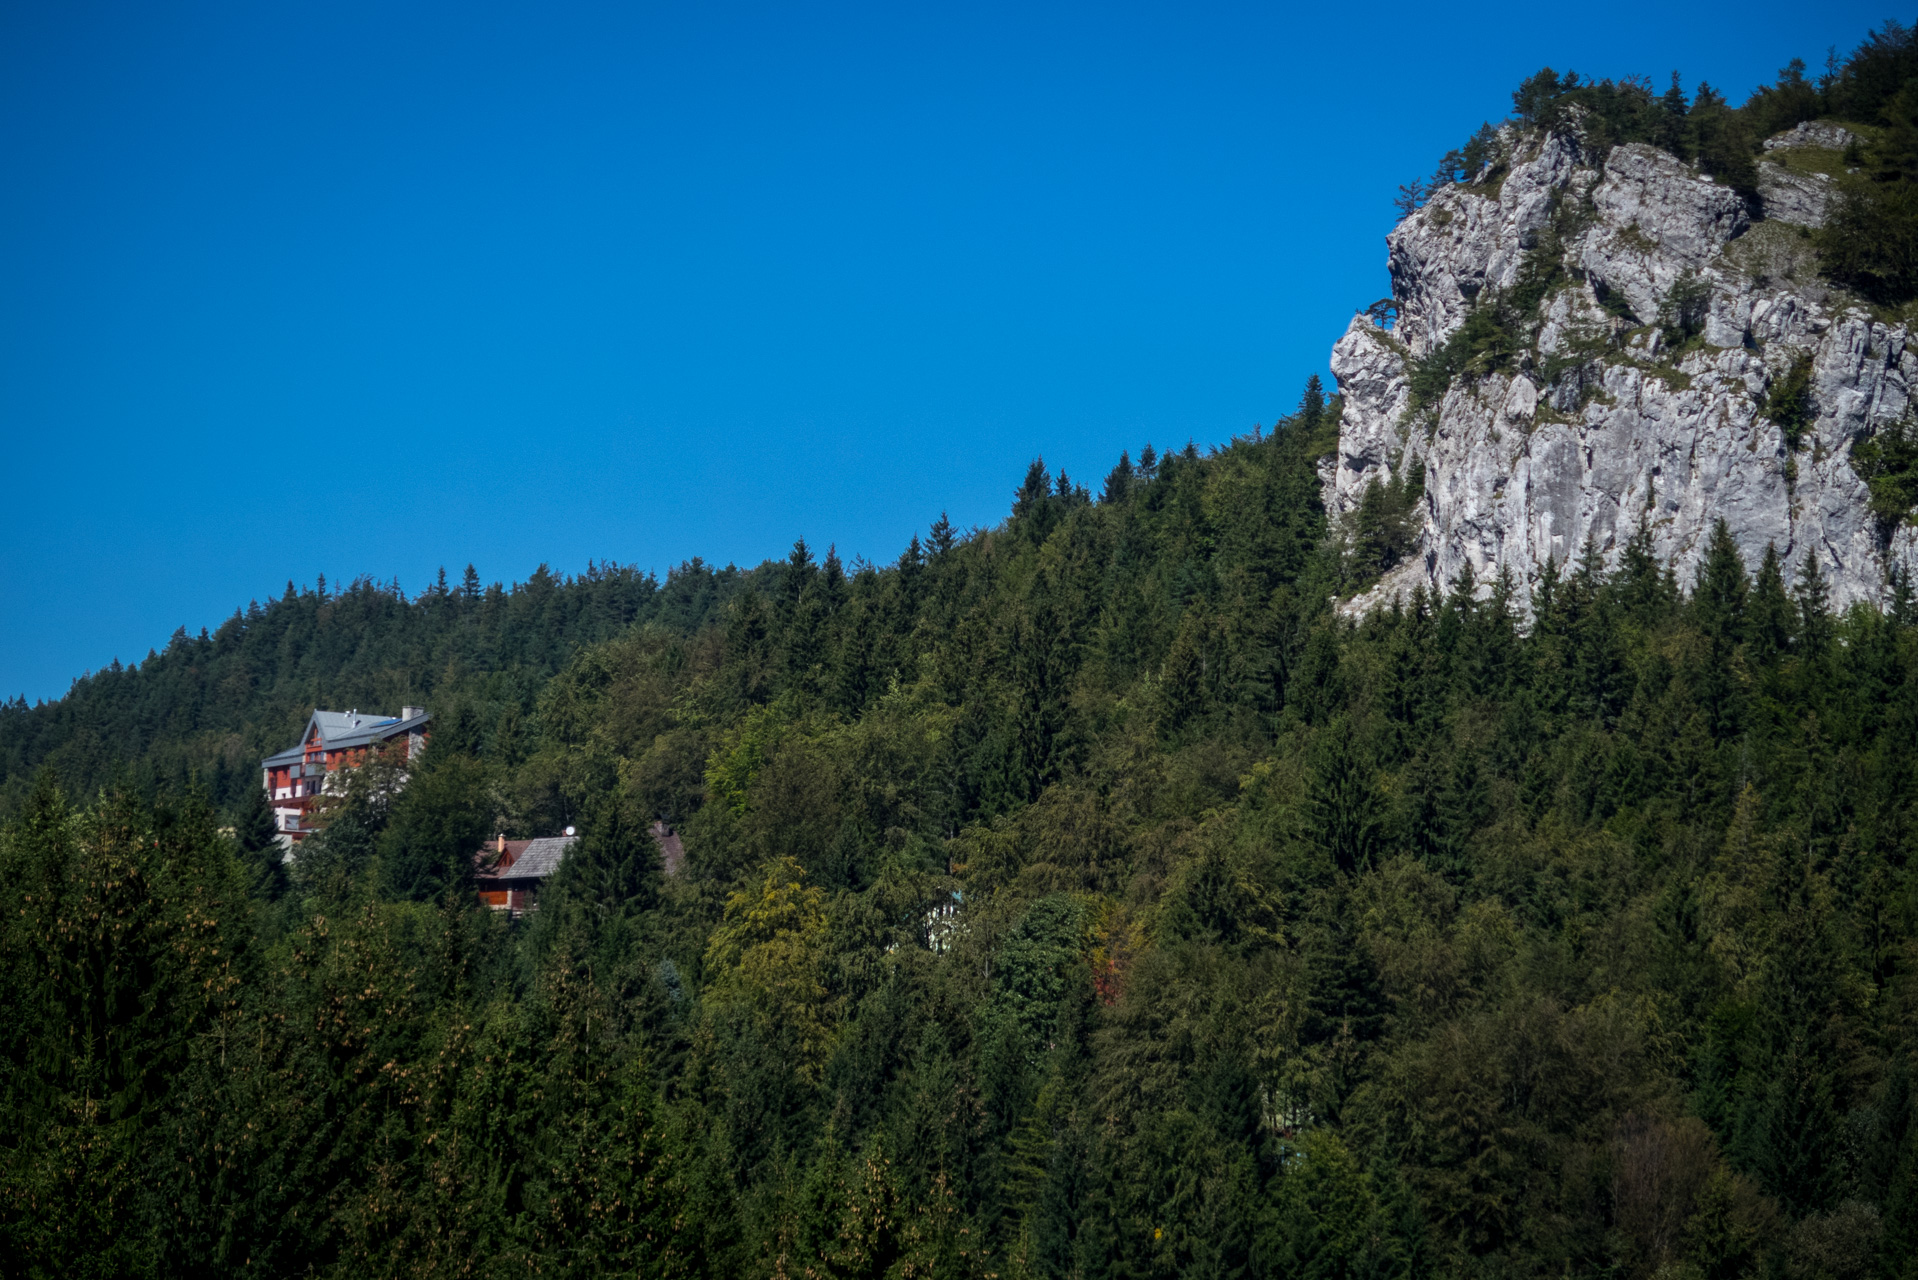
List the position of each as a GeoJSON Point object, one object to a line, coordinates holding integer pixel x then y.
{"type": "Point", "coordinates": [1084, 897]}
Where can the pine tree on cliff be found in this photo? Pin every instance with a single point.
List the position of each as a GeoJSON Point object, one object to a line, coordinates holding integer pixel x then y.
{"type": "Point", "coordinates": [1669, 130]}
{"type": "Point", "coordinates": [1722, 141]}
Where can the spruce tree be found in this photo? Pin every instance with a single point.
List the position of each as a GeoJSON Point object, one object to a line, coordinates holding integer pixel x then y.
{"type": "Point", "coordinates": [911, 572]}
{"type": "Point", "coordinates": [1343, 808]}
{"type": "Point", "coordinates": [1670, 129]}
{"type": "Point", "coordinates": [1720, 139]}
{"type": "Point", "coordinates": [1719, 592]}
{"type": "Point", "coordinates": [437, 824]}
{"type": "Point", "coordinates": [261, 853]}
{"type": "Point", "coordinates": [1902, 607]}
{"type": "Point", "coordinates": [1033, 491]}
{"type": "Point", "coordinates": [1118, 481]}
{"type": "Point", "coordinates": [1718, 605]}
{"type": "Point", "coordinates": [609, 879]}
{"type": "Point", "coordinates": [1771, 622]}
{"type": "Point", "coordinates": [832, 581]}
{"type": "Point", "coordinates": [1312, 406]}
{"type": "Point", "coordinates": [942, 537]}
{"type": "Point", "coordinates": [1640, 585]}
{"type": "Point", "coordinates": [1813, 601]}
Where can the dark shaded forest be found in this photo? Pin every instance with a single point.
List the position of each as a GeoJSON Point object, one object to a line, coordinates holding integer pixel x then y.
{"type": "Point", "coordinates": [1085, 897]}
{"type": "Point", "coordinates": [1283, 945]}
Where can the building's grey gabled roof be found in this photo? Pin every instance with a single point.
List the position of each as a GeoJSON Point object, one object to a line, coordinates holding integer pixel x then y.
{"type": "Point", "coordinates": [342, 729]}
{"type": "Point", "coordinates": [541, 858]}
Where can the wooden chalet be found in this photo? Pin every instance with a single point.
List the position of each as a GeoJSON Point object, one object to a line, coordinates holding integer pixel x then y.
{"type": "Point", "coordinates": [510, 872]}
{"type": "Point", "coordinates": [334, 740]}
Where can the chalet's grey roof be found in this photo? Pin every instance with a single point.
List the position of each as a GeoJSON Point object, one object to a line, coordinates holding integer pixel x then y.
{"type": "Point", "coordinates": [341, 729]}
{"type": "Point", "coordinates": [540, 859]}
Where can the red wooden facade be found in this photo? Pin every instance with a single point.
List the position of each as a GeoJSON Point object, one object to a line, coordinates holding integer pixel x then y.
{"type": "Point", "coordinates": [508, 873]}
{"type": "Point", "coordinates": [334, 740]}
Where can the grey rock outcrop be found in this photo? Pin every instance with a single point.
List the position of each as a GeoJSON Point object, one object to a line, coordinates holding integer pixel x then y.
{"type": "Point", "coordinates": [1600, 425]}
{"type": "Point", "coordinates": [1801, 199]}
{"type": "Point", "coordinates": [1801, 196]}
{"type": "Point", "coordinates": [1822, 134]}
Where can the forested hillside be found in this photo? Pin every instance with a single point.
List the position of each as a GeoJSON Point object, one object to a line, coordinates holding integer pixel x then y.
{"type": "Point", "coordinates": [209, 708]}
{"type": "Point", "coordinates": [1085, 897]}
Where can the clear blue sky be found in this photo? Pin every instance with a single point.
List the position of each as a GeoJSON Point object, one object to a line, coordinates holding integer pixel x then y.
{"type": "Point", "coordinates": [290, 289]}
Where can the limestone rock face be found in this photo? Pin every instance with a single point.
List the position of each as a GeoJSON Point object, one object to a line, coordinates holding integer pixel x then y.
{"type": "Point", "coordinates": [1463, 242]}
{"type": "Point", "coordinates": [1639, 397]}
{"type": "Point", "coordinates": [1801, 195]}
{"type": "Point", "coordinates": [1812, 133]}
{"type": "Point", "coordinates": [1655, 221]}
{"type": "Point", "coordinates": [1789, 196]}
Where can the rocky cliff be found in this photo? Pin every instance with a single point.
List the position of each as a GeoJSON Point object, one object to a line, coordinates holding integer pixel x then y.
{"type": "Point", "coordinates": [1677, 360]}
